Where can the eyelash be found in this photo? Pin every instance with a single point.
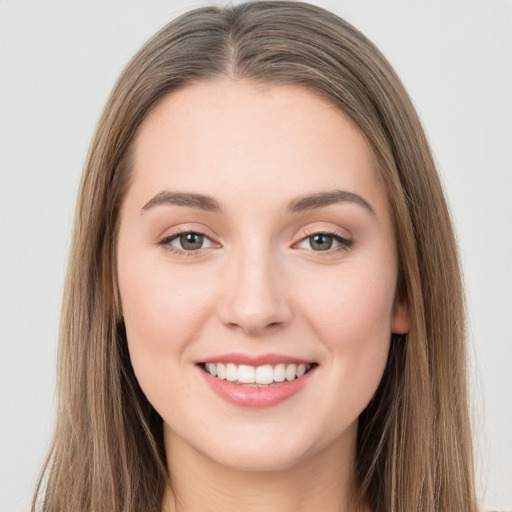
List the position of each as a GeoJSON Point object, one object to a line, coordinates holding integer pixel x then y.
{"type": "Point", "coordinates": [166, 243]}
{"type": "Point", "coordinates": [344, 243]}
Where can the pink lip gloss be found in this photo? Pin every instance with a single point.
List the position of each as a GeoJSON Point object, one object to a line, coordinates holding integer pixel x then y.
{"type": "Point", "coordinates": [255, 395]}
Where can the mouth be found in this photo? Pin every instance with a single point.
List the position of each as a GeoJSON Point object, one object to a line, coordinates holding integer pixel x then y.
{"type": "Point", "coordinates": [263, 376]}
{"type": "Point", "coordinates": [256, 381]}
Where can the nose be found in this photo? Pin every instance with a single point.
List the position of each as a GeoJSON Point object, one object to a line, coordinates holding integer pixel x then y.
{"type": "Point", "coordinates": [254, 297]}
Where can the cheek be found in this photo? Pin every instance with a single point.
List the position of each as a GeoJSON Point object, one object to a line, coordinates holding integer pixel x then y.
{"type": "Point", "coordinates": [350, 307]}
{"type": "Point", "coordinates": [162, 313]}
{"type": "Point", "coordinates": [352, 318]}
{"type": "Point", "coordinates": [157, 304]}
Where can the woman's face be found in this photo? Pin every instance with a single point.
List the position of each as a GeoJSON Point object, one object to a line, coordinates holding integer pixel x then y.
{"type": "Point", "coordinates": [256, 243]}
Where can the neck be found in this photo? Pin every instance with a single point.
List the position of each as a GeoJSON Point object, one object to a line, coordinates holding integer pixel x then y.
{"type": "Point", "coordinates": [321, 482]}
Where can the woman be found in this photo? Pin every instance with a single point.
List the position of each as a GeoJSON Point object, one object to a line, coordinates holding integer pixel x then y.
{"type": "Point", "coordinates": [263, 308]}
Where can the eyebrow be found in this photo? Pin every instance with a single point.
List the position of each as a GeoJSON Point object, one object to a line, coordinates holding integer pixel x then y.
{"type": "Point", "coordinates": [299, 204]}
{"type": "Point", "coordinates": [198, 201]}
{"type": "Point", "coordinates": [322, 199]}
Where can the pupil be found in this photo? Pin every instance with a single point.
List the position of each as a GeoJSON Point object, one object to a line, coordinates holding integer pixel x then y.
{"type": "Point", "coordinates": [321, 242]}
{"type": "Point", "coordinates": [191, 241]}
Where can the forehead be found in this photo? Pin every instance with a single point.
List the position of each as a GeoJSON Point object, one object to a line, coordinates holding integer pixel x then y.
{"type": "Point", "coordinates": [239, 138]}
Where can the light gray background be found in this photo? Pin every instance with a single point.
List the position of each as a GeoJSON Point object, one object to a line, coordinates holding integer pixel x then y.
{"type": "Point", "coordinates": [58, 62]}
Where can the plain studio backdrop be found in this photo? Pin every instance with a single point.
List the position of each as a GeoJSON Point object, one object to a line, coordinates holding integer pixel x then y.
{"type": "Point", "coordinates": [58, 63]}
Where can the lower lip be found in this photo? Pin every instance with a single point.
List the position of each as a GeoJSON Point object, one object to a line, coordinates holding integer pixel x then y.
{"type": "Point", "coordinates": [254, 396]}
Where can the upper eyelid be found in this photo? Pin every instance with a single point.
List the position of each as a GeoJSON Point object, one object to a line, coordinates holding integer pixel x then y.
{"type": "Point", "coordinates": [340, 239]}
{"type": "Point", "coordinates": [173, 232]}
{"type": "Point", "coordinates": [166, 240]}
{"type": "Point", "coordinates": [328, 231]}
{"type": "Point", "coordinates": [304, 235]}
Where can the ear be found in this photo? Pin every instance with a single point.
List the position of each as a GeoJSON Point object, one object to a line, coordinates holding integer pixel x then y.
{"type": "Point", "coordinates": [401, 319]}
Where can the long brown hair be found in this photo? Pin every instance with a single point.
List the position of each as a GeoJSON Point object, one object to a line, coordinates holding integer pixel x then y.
{"type": "Point", "coordinates": [414, 450]}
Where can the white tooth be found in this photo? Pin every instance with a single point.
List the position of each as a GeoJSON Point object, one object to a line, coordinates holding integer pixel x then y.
{"type": "Point", "coordinates": [279, 373]}
{"type": "Point", "coordinates": [231, 372]}
{"type": "Point", "coordinates": [291, 370]}
{"type": "Point", "coordinates": [264, 374]}
{"type": "Point", "coordinates": [246, 374]}
{"type": "Point", "coordinates": [221, 371]}
{"type": "Point", "coordinates": [301, 370]}
{"type": "Point", "coordinates": [211, 368]}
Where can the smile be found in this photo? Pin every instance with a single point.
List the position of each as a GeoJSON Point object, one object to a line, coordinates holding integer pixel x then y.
{"type": "Point", "coordinates": [265, 375]}
{"type": "Point", "coordinates": [256, 381]}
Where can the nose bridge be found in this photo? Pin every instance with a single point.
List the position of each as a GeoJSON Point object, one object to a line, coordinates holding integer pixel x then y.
{"type": "Point", "coordinates": [254, 295]}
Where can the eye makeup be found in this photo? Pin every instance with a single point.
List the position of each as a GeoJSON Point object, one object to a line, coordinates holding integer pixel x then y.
{"type": "Point", "coordinates": [189, 243]}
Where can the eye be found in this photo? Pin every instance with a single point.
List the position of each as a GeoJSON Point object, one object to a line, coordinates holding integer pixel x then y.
{"type": "Point", "coordinates": [186, 242]}
{"type": "Point", "coordinates": [324, 241]}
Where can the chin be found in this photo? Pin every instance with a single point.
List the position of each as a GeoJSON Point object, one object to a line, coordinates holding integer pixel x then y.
{"type": "Point", "coordinates": [269, 448]}
{"type": "Point", "coordinates": [258, 459]}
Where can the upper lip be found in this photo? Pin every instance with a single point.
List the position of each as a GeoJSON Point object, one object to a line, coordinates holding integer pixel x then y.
{"type": "Point", "coordinates": [255, 359]}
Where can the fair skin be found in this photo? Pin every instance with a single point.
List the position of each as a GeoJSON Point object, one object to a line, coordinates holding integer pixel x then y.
{"type": "Point", "coordinates": [254, 275]}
